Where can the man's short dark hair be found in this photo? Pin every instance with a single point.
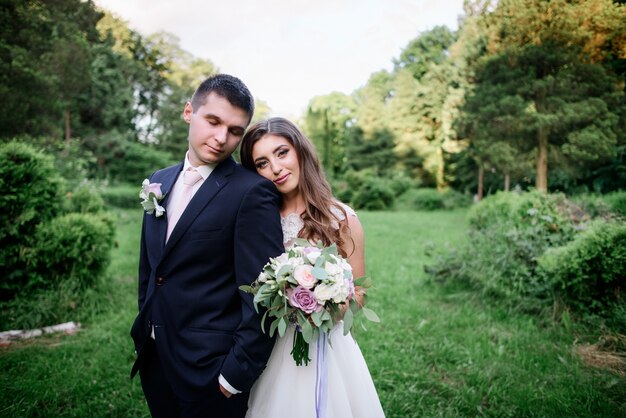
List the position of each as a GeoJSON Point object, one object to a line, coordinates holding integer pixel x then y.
{"type": "Point", "coordinates": [229, 87]}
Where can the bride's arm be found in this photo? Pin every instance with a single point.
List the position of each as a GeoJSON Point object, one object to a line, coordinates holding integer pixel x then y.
{"type": "Point", "coordinates": [355, 247]}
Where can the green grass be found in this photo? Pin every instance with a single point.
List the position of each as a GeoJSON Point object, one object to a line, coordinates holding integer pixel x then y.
{"type": "Point", "coordinates": [439, 352]}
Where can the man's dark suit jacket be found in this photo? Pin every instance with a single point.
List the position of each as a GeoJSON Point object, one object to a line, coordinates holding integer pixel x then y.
{"type": "Point", "coordinates": [188, 288]}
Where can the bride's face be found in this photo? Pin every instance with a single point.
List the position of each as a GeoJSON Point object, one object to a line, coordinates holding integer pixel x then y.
{"type": "Point", "coordinates": [275, 159]}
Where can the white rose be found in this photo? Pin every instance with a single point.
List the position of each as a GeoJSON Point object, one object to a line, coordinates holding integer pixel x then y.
{"type": "Point", "coordinates": [333, 269]}
{"type": "Point", "coordinates": [312, 254]}
{"type": "Point", "coordinates": [323, 293]}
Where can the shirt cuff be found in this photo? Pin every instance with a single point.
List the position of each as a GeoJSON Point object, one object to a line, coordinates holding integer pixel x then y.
{"type": "Point", "coordinates": [227, 385]}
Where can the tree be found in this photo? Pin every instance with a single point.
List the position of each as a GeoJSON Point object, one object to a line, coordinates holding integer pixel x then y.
{"type": "Point", "coordinates": [328, 121]}
{"type": "Point", "coordinates": [547, 101]}
{"type": "Point", "coordinates": [430, 48]}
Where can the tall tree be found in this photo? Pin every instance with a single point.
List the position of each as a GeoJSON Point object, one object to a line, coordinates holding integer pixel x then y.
{"type": "Point", "coordinates": [328, 121]}
{"type": "Point", "coordinates": [533, 96]}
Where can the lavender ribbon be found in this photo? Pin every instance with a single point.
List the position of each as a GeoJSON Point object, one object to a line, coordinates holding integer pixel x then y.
{"type": "Point", "coordinates": [321, 376]}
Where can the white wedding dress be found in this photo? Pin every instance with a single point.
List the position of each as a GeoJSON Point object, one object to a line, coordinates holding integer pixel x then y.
{"type": "Point", "coordinates": [287, 390]}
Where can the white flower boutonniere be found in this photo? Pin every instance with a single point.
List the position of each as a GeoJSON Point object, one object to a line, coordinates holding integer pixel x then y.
{"type": "Point", "coordinates": [152, 195]}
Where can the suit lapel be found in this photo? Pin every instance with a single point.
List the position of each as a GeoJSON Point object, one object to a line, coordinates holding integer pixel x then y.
{"type": "Point", "coordinates": [213, 184]}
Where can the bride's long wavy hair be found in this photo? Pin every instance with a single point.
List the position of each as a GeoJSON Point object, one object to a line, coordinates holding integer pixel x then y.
{"type": "Point", "coordinates": [320, 223]}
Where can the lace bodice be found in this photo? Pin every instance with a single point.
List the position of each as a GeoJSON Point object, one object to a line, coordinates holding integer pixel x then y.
{"type": "Point", "coordinates": [292, 223]}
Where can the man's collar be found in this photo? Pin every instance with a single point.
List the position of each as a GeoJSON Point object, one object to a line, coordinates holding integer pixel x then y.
{"type": "Point", "coordinates": [204, 170]}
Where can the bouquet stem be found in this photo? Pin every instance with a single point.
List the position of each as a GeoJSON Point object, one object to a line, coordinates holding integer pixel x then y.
{"type": "Point", "coordinates": [300, 350]}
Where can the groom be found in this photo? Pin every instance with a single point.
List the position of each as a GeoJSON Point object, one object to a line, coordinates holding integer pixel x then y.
{"type": "Point", "coordinates": [198, 338]}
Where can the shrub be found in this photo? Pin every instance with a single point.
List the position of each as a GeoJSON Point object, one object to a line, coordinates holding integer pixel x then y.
{"type": "Point", "coordinates": [71, 159]}
{"type": "Point", "coordinates": [421, 199]}
{"type": "Point", "coordinates": [616, 202]}
{"type": "Point", "coordinates": [453, 199]}
{"type": "Point", "coordinates": [31, 193]}
{"type": "Point", "coordinates": [592, 205]}
{"type": "Point", "coordinates": [122, 158]}
{"type": "Point", "coordinates": [590, 272]}
{"type": "Point", "coordinates": [364, 190]}
{"type": "Point", "coordinates": [507, 233]}
{"type": "Point", "coordinates": [84, 199]}
{"type": "Point", "coordinates": [75, 246]}
{"type": "Point", "coordinates": [399, 183]}
{"type": "Point", "coordinates": [373, 194]}
{"type": "Point", "coordinates": [122, 196]}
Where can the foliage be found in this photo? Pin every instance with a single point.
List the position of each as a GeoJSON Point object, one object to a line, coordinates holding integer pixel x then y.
{"type": "Point", "coordinates": [75, 246]}
{"type": "Point", "coordinates": [121, 159]}
{"type": "Point", "coordinates": [327, 123]}
{"type": "Point", "coordinates": [507, 233]}
{"type": "Point", "coordinates": [84, 199]}
{"type": "Point", "coordinates": [431, 199]}
{"type": "Point", "coordinates": [121, 196]}
{"type": "Point", "coordinates": [617, 202]}
{"type": "Point", "coordinates": [420, 199]}
{"type": "Point", "coordinates": [363, 190]}
{"type": "Point", "coordinates": [588, 272]}
{"type": "Point", "coordinates": [605, 206]}
{"type": "Point", "coordinates": [453, 199]}
{"type": "Point", "coordinates": [31, 193]}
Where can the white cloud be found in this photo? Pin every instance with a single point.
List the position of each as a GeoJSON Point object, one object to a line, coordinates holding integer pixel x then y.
{"type": "Point", "coordinates": [288, 51]}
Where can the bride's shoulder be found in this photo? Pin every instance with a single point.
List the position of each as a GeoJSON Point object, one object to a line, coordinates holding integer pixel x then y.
{"type": "Point", "coordinates": [339, 209]}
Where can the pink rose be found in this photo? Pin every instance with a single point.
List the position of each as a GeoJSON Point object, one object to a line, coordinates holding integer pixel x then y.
{"type": "Point", "coordinates": [304, 299]}
{"type": "Point", "coordinates": [154, 188]}
{"type": "Point", "coordinates": [304, 276]}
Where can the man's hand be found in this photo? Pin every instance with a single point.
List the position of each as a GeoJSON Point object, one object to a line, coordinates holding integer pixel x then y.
{"type": "Point", "coordinates": [225, 392]}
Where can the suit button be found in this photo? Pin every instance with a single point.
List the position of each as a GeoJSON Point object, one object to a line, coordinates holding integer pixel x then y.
{"type": "Point", "coordinates": [160, 281]}
{"type": "Point", "coordinates": [149, 324]}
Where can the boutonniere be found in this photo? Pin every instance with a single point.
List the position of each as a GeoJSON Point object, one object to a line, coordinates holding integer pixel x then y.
{"type": "Point", "coordinates": [151, 195]}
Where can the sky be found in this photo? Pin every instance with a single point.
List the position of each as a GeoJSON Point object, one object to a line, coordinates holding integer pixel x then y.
{"type": "Point", "coordinates": [289, 51]}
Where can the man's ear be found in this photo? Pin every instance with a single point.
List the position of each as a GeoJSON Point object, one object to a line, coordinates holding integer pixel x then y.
{"type": "Point", "coordinates": [187, 111]}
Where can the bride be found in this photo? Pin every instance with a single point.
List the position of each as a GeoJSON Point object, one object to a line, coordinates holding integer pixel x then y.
{"type": "Point", "coordinates": [279, 151]}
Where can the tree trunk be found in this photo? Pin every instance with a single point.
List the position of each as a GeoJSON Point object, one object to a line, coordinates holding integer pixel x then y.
{"type": "Point", "coordinates": [542, 160]}
{"type": "Point", "coordinates": [507, 183]}
{"type": "Point", "coordinates": [440, 170]}
{"type": "Point", "coordinates": [481, 175]}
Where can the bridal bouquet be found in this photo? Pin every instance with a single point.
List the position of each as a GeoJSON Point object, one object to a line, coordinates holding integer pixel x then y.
{"type": "Point", "coordinates": [307, 286]}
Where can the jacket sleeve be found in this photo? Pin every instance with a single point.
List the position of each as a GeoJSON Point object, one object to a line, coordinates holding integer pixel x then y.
{"type": "Point", "coordinates": [258, 236]}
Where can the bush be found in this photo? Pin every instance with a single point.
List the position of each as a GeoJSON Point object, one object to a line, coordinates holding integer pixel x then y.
{"type": "Point", "coordinates": [71, 160]}
{"type": "Point", "coordinates": [31, 193]}
{"type": "Point", "coordinates": [420, 199]}
{"type": "Point", "coordinates": [364, 190]}
{"type": "Point", "coordinates": [616, 202]}
{"type": "Point", "coordinates": [592, 205]}
{"type": "Point", "coordinates": [75, 246]}
{"type": "Point", "coordinates": [507, 233]}
{"type": "Point", "coordinates": [122, 196]}
{"type": "Point", "coordinates": [590, 272]}
{"type": "Point", "coordinates": [122, 158]}
{"type": "Point", "coordinates": [84, 199]}
{"type": "Point", "coordinates": [453, 199]}
{"type": "Point", "coordinates": [373, 194]}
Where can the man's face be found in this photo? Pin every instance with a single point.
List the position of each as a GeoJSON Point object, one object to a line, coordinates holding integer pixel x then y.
{"type": "Point", "coordinates": [215, 129]}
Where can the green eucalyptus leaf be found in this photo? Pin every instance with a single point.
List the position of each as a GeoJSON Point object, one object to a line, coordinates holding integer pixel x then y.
{"type": "Point", "coordinates": [282, 326]}
{"type": "Point", "coordinates": [317, 318]}
{"type": "Point", "coordinates": [348, 319]}
{"type": "Point", "coordinates": [247, 289]}
{"type": "Point", "coordinates": [370, 314]}
{"type": "Point", "coordinates": [273, 327]}
{"type": "Point", "coordinates": [307, 331]}
{"type": "Point", "coordinates": [364, 281]}
{"type": "Point", "coordinates": [319, 273]}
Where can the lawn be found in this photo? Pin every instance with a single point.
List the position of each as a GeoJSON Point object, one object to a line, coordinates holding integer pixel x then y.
{"type": "Point", "coordinates": [439, 352]}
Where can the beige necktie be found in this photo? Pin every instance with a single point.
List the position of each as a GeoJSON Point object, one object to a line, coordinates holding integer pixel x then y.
{"type": "Point", "coordinates": [190, 177]}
